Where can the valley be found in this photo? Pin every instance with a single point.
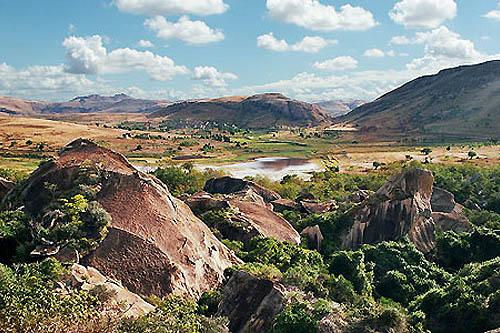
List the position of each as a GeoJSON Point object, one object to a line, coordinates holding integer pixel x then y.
{"type": "Point", "coordinates": [254, 213]}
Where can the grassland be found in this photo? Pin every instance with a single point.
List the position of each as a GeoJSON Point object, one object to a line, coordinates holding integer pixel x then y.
{"type": "Point", "coordinates": [24, 142]}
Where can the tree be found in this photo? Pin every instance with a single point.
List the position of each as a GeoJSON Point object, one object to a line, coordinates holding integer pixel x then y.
{"type": "Point", "coordinates": [448, 148]}
{"type": "Point", "coordinates": [426, 151]}
{"type": "Point", "coordinates": [376, 165]}
{"type": "Point", "coordinates": [472, 154]}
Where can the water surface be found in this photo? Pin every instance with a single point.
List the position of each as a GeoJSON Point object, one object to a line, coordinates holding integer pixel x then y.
{"type": "Point", "coordinates": [274, 168]}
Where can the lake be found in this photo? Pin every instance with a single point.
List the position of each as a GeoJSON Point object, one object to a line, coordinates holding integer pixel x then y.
{"type": "Point", "coordinates": [274, 168]}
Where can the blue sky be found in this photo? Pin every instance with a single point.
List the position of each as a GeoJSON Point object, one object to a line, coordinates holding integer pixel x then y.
{"type": "Point", "coordinates": [182, 49]}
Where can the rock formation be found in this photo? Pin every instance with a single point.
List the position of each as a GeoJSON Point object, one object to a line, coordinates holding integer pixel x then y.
{"type": "Point", "coordinates": [250, 303]}
{"type": "Point", "coordinates": [241, 189]}
{"type": "Point", "coordinates": [155, 244]}
{"type": "Point", "coordinates": [244, 219]}
{"type": "Point", "coordinates": [402, 207]}
{"type": "Point", "coordinates": [116, 298]}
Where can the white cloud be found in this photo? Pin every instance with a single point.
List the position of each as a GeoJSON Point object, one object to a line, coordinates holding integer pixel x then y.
{"type": "Point", "coordinates": [172, 7]}
{"type": "Point", "coordinates": [191, 32]}
{"type": "Point", "coordinates": [269, 42]}
{"type": "Point", "coordinates": [87, 55]}
{"type": "Point", "coordinates": [485, 37]}
{"type": "Point", "coordinates": [374, 53]}
{"type": "Point", "coordinates": [400, 40]}
{"type": "Point", "coordinates": [312, 44]}
{"type": "Point", "coordinates": [71, 27]}
{"type": "Point", "coordinates": [391, 53]}
{"type": "Point", "coordinates": [212, 77]}
{"type": "Point", "coordinates": [145, 43]}
{"type": "Point", "coordinates": [313, 15]}
{"type": "Point", "coordinates": [494, 14]}
{"type": "Point", "coordinates": [423, 13]}
{"type": "Point", "coordinates": [442, 42]}
{"type": "Point", "coordinates": [337, 64]}
{"type": "Point", "coordinates": [309, 44]}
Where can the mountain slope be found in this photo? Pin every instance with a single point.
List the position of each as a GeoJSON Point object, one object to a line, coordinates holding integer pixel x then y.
{"type": "Point", "coordinates": [338, 107]}
{"type": "Point", "coordinates": [461, 102]}
{"type": "Point", "coordinates": [119, 103]}
{"type": "Point", "coordinates": [257, 111]}
{"type": "Point", "coordinates": [11, 105]}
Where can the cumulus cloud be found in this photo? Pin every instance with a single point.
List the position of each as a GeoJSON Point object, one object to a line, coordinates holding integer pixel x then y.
{"type": "Point", "coordinates": [87, 55]}
{"type": "Point", "coordinates": [269, 42]}
{"type": "Point", "coordinates": [191, 32]}
{"type": "Point", "coordinates": [172, 7]}
{"type": "Point", "coordinates": [309, 44]}
{"type": "Point", "coordinates": [400, 40]}
{"type": "Point", "coordinates": [337, 64]}
{"type": "Point", "coordinates": [374, 53]}
{"type": "Point", "coordinates": [145, 43]}
{"type": "Point", "coordinates": [313, 15]}
{"type": "Point", "coordinates": [212, 77]}
{"type": "Point", "coordinates": [494, 14]}
{"type": "Point", "coordinates": [423, 13]}
{"type": "Point", "coordinates": [442, 42]}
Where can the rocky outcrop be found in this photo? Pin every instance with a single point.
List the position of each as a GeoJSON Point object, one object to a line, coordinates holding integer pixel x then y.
{"type": "Point", "coordinates": [115, 297]}
{"type": "Point", "coordinates": [359, 196]}
{"type": "Point", "coordinates": [5, 187]}
{"type": "Point", "coordinates": [314, 234]}
{"type": "Point", "coordinates": [443, 201]}
{"type": "Point", "coordinates": [402, 207]}
{"type": "Point", "coordinates": [243, 219]}
{"type": "Point", "coordinates": [250, 303]}
{"type": "Point", "coordinates": [283, 205]}
{"type": "Point", "coordinates": [241, 190]}
{"type": "Point", "coordinates": [318, 207]}
{"type": "Point", "coordinates": [155, 244]}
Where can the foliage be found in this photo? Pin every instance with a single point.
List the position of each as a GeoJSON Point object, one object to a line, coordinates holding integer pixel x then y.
{"type": "Point", "coordinates": [180, 180]}
{"type": "Point", "coordinates": [173, 314]}
{"type": "Point", "coordinates": [296, 318]}
{"type": "Point", "coordinates": [28, 302]}
{"type": "Point", "coordinates": [257, 269]}
{"type": "Point", "coordinates": [469, 303]}
{"type": "Point", "coordinates": [401, 272]}
{"type": "Point", "coordinates": [455, 250]}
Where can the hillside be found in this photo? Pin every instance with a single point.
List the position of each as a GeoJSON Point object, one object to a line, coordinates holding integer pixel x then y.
{"type": "Point", "coordinates": [119, 103]}
{"type": "Point", "coordinates": [11, 105]}
{"type": "Point", "coordinates": [461, 102]}
{"type": "Point", "coordinates": [257, 111]}
{"type": "Point", "coordinates": [338, 107]}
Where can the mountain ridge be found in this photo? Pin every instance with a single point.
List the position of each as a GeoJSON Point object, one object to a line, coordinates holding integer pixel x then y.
{"type": "Point", "coordinates": [457, 102]}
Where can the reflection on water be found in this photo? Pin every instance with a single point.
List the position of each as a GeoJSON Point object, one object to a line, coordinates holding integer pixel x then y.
{"type": "Point", "coordinates": [274, 168]}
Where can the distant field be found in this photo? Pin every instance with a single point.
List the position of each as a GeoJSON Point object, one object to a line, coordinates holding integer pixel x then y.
{"type": "Point", "coordinates": [24, 142]}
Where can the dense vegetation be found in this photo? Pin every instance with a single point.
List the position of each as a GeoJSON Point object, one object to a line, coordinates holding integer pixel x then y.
{"type": "Point", "coordinates": [387, 287]}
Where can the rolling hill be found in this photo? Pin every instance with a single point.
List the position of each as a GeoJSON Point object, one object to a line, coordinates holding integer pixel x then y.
{"type": "Point", "coordinates": [457, 103]}
{"type": "Point", "coordinates": [257, 111]}
{"type": "Point", "coordinates": [119, 103]}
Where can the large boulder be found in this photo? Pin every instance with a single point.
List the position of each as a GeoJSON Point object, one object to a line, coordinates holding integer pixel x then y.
{"type": "Point", "coordinates": [241, 189]}
{"type": "Point", "coordinates": [243, 219]}
{"type": "Point", "coordinates": [5, 187]}
{"type": "Point", "coordinates": [250, 303]}
{"type": "Point", "coordinates": [115, 297]}
{"type": "Point", "coordinates": [155, 244]}
{"type": "Point", "coordinates": [402, 207]}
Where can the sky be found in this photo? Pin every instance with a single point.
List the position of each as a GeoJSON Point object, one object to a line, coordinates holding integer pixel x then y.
{"type": "Point", "coordinates": [310, 50]}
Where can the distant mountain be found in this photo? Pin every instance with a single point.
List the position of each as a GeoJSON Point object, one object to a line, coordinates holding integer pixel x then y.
{"type": "Point", "coordinates": [119, 103]}
{"type": "Point", "coordinates": [257, 111]}
{"type": "Point", "coordinates": [336, 108]}
{"type": "Point", "coordinates": [11, 105]}
{"type": "Point", "coordinates": [461, 102]}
